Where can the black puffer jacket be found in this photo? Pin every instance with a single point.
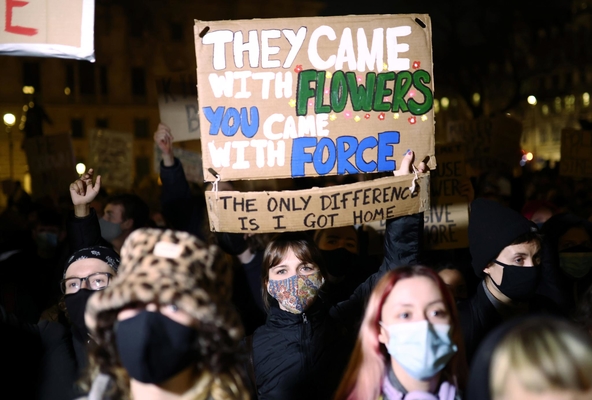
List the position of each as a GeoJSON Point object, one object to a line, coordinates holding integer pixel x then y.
{"type": "Point", "coordinates": [302, 356]}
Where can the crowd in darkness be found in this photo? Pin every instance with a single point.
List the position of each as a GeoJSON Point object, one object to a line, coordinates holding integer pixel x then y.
{"type": "Point", "coordinates": [102, 297]}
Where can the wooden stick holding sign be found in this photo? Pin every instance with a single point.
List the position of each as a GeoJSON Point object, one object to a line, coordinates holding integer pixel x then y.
{"type": "Point", "coordinates": [316, 208]}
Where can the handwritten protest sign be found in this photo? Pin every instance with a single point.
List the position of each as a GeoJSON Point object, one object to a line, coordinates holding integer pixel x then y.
{"type": "Point", "coordinates": [51, 164]}
{"type": "Point", "coordinates": [302, 97]}
{"type": "Point", "coordinates": [490, 143]}
{"type": "Point", "coordinates": [576, 153]}
{"type": "Point", "coordinates": [48, 28]}
{"type": "Point", "coordinates": [446, 224]}
{"type": "Point", "coordinates": [111, 157]}
{"type": "Point", "coordinates": [190, 160]}
{"type": "Point", "coordinates": [300, 210]}
{"type": "Point", "coordinates": [177, 104]}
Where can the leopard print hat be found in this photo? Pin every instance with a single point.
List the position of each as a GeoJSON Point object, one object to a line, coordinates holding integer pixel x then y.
{"type": "Point", "coordinates": [170, 267]}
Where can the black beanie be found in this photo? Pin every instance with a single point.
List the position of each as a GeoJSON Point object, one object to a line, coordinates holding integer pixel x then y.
{"type": "Point", "coordinates": [492, 227]}
{"type": "Point", "coordinates": [102, 253]}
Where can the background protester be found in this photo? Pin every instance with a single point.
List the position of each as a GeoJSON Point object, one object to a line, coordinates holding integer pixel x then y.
{"type": "Point", "coordinates": [410, 342]}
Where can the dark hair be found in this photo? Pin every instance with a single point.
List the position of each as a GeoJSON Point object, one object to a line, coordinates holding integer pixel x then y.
{"type": "Point", "coordinates": [133, 208]}
{"type": "Point", "coordinates": [527, 238]}
{"type": "Point", "coordinates": [303, 247]}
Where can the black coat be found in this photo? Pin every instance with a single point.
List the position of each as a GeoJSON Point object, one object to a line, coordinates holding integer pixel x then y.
{"type": "Point", "coordinates": [302, 356]}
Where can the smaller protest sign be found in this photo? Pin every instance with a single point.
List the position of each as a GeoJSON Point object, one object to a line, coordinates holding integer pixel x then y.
{"type": "Point", "coordinates": [48, 28]}
{"type": "Point", "coordinates": [190, 161]}
{"type": "Point", "coordinates": [111, 157]}
{"type": "Point", "coordinates": [446, 224]}
{"type": "Point", "coordinates": [177, 104]}
{"type": "Point", "coordinates": [51, 164]}
{"type": "Point", "coordinates": [576, 153]}
{"type": "Point", "coordinates": [490, 143]}
{"type": "Point", "coordinates": [351, 204]}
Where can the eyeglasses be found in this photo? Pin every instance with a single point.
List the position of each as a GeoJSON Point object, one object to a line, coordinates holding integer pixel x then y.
{"type": "Point", "coordinates": [96, 281]}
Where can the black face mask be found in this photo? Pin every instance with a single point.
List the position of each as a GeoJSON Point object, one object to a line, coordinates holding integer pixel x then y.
{"type": "Point", "coordinates": [518, 283]}
{"type": "Point", "coordinates": [339, 262]}
{"type": "Point", "coordinates": [154, 348]}
{"type": "Point", "coordinates": [76, 305]}
{"type": "Point", "coordinates": [232, 243]}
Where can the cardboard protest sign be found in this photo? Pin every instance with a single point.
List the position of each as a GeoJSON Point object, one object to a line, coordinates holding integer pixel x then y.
{"type": "Point", "coordinates": [111, 157]}
{"type": "Point", "coordinates": [51, 164]}
{"type": "Point", "coordinates": [177, 104]}
{"type": "Point", "coordinates": [316, 208]}
{"type": "Point", "coordinates": [576, 153]}
{"type": "Point", "coordinates": [190, 161]}
{"type": "Point", "coordinates": [490, 143]}
{"type": "Point", "coordinates": [48, 28]}
{"type": "Point", "coordinates": [303, 97]}
{"type": "Point", "coordinates": [446, 224]}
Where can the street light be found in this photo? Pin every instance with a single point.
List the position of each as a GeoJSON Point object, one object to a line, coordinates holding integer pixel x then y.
{"type": "Point", "coordinates": [9, 120]}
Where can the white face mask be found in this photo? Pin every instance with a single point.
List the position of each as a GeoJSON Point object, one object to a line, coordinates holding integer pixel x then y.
{"type": "Point", "coordinates": [421, 348]}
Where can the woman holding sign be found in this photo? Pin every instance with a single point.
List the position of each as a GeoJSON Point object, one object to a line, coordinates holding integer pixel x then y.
{"type": "Point", "coordinates": [302, 349]}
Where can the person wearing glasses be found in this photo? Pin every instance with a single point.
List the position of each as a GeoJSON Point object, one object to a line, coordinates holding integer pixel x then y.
{"type": "Point", "coordinates": [46, 359]}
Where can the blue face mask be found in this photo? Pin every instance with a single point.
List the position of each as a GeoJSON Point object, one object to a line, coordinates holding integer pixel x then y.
{"type": "Point", "coordinates": [421, 348]}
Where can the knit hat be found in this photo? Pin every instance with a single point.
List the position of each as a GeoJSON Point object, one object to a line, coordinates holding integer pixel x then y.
{"type": "Point", "coordinates": [170, 267]}
{"type": "Point", "coordinates": [492, 227]}
{"type": "Point", "coordinates": [102, 253]}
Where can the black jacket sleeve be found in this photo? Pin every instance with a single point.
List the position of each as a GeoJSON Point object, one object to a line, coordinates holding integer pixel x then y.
{"type": "Point", "coordinates": [182, 210]}
{"type": "Point", "coordinates": [402, 244]}
{"type": "Point", "coordinates": [85, 232]}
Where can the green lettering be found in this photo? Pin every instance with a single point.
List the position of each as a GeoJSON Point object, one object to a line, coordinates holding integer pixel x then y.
{"type": "Point", "coordinates": [402, 86]}
{"type": "Point", "coordinates": [321, 108]}
{"type": "Point", "coordinates": [304, 91]}
{"type": "Point", "coordinates": [382, 91]}
{"type": "Point", "coordinates": [420, 78]}
{"type": "Point", "coordinates": [338, 92]}
{"type": "Point", "coordinates": [361, 96]}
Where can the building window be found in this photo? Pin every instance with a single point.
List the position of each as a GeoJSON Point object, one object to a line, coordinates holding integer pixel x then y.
{"type": "Point", "coordinates": [176, 32]}
{"type": "Point", "coordinates": [102, 123]}
{"type": "Point", "coordinates": [77, 127]}
{"type": "Point", "coordinates": [87, 78]}
{"type": "Point", "coordinates": [141, 129]}
{"type": "Point", "coordinates": [138, 81]}
{"type": "Point", "coordinates": [103, 81]}
{"type": "Point", "coordinates": [31, 76]}
{"type": "Point", "coordinates": [142, 167]}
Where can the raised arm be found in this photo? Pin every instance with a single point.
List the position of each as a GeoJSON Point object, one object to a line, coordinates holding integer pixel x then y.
{"type": "Point", "coordinates": [83, 225]}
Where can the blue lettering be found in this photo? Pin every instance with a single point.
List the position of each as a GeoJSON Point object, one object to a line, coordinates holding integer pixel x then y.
{"type": "Point", "coordinates": [386, 140]}
{"type": "Point", "coordinates": [366, 143]}
{"type": "Point", "coordinates": [299, 156]}
{"type": "Point", "coordinates": [249, 129]}
{"type": "Point", "coordinates": [230, 115]}
{"type": "Point", "coordinates": [343, 154]}
{"type": "Point", "coordinates": [214, 118]}
{"type": "Point", "coordinates": [323, 168]}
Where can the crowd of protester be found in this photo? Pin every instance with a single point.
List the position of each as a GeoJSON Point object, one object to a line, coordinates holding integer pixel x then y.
{"type": "Point", "coordinates": [102, 297]}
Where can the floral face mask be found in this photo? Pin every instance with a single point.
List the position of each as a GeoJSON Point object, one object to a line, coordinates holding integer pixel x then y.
{"type": "Point", "coordinates": [296, 293]}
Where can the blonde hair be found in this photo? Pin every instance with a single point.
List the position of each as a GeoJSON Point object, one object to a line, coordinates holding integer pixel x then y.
{"type": "Point", "coordinates": [543, 354]}
{"type": "Point", "coordinates": [366, 369]}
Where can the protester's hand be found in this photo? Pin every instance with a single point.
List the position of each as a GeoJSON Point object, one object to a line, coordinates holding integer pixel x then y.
{"type": "Point", "coordinates": [83, 192]}
{"type": "Point", "coordinates": [407, 165]}
{"type": "Point", "coordinates": [164, 139]}
{"type": "Point", "coordinates": [466, 189]}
